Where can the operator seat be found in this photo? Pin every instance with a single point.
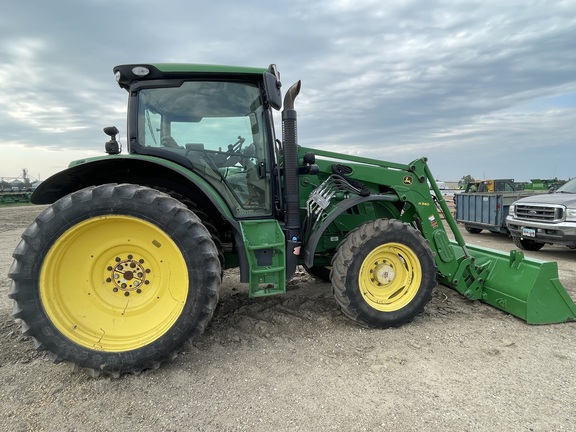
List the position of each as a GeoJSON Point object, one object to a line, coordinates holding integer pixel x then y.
{"type": "Point", "coordinates": [168, 141]}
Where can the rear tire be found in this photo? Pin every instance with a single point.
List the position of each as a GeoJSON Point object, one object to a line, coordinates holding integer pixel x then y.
{"type": "Point", "coordinates": [115, 278]}
{"type": "Point", "coordinates": [205, 221]}
{"type": "Point", "coordinates": [383, 273]}
{"type": "Point", "coordinates": [526, 244]}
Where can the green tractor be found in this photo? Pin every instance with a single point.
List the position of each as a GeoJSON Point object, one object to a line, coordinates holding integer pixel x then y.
{"type": "Point", "coordinates": [125, 265]}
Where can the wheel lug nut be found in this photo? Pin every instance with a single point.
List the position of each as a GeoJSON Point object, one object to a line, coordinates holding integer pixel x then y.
{"type": "Point", "coordinates": [146, 282]}
{"type": "Point", "coordinates": [108, 280]}
{"type": "Point", "coordinates": [118, 259]}
{"type": "Point", "coordinates": [138, 290]}
{"type": "Point", "coordinates": [126, 293]}
{"type": "Point", "coordinates": [141, 261]}
{"type": "Point", "coordinates": [129, 256]}
{"type": "Point", "coordinates": [109, 268]}
{"type": "Point", "coordinates": [115, 289]}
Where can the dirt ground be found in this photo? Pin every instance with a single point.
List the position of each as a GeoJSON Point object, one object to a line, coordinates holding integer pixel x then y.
{"type": "Point", "coordinates": [295, 362]}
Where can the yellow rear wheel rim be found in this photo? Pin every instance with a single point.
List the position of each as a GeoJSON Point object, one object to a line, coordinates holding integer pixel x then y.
{"type": "Point", "coordinates": [114, 283]}
{"type": "Point", "coordinates": [390, 276]}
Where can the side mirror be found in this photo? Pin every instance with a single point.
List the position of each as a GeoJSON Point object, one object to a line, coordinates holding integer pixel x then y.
{"type": "Point", "coordinates": [111, 131]}
{"type": "Point", "coordinates": [272, 87]}
{"type": "Point", "coordinates": [112, 146]}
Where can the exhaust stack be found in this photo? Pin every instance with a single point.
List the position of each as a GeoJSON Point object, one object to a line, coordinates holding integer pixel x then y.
{"type": "Point", "coordinates": [291, 193]}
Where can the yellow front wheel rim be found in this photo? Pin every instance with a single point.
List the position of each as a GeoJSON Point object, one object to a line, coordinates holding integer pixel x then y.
{"type": "Point", "coordinates": [390, 276]}
{"type": "Point", "coordinates": [114, 283]}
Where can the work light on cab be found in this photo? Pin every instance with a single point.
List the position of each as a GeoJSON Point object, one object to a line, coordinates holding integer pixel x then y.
{"type": "Point", "coordinates": [140, 71]}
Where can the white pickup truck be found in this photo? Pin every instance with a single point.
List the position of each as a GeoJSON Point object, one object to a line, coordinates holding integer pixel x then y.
{"type": "Point", "coordinates": [544, 219]}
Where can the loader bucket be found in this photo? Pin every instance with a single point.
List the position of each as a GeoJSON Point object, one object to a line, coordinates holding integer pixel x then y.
{"type": "Point", "coordinates": [524, 287]}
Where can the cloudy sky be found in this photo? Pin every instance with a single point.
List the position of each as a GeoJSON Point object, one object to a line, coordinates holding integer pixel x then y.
{"type": "Point", "coordinates": [480, 87]}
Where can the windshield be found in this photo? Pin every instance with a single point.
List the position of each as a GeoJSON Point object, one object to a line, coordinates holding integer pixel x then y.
{"type": "Point", "coordinates": [219, 127]}
{"type": "Point", "coordinates": [569, 187]}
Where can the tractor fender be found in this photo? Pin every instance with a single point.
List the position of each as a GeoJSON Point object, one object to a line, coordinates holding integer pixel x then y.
{"type": "Point", "coordinates": [341, 207]}
{"type": "Point", "coordinates": [144, 170]}
{"type": "Point", "coordinates": [138, 169]}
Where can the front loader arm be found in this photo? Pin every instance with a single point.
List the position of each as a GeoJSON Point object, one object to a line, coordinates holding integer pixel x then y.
{"type": "Point", "coordinates": [527, 288]}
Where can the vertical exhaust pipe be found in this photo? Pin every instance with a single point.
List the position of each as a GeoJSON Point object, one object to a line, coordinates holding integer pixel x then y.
{"type": "Point", "coordinates": [291, 193]}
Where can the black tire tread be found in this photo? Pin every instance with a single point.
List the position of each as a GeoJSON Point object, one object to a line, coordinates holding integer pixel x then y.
{"type": "Point", "coordinates": [33, 245]}
{"type": "Point", "coordinates": [527, 244]}
{"type": "Point", "coordinates": [472, 230]}
{"type": "Point", "coordinates": [203, 217]}
{"type": "Point", "coordinates": [346, 254]}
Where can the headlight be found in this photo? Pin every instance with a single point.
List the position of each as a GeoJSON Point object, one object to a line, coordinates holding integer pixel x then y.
{"type": "Point", "coordinates": [571, 214]}
{"type": "Point", "coordinates": [511, 210]}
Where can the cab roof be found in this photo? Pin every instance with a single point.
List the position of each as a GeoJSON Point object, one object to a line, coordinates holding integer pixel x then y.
{"type": "Point", "coordinates": [129, 73]}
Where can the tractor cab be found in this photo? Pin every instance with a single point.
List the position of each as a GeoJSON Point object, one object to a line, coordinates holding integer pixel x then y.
{"type": "Point", "coordinates": [220, 128]}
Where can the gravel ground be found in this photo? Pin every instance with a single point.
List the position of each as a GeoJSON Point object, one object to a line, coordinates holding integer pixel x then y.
{"type": "Point", "coordinates": [296, 363]}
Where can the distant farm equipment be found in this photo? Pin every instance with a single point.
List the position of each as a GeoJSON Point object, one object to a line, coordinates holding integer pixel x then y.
{"type": "Point", "coordinates": [15, 190]}
{"type": "Point", "coordinates": [14, 197]}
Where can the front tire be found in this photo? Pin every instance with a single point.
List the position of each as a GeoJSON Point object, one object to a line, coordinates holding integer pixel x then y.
{"type": "Point", "coordinates": [383, 274]}
{"type": "Point", "coordinates": [115, 278]}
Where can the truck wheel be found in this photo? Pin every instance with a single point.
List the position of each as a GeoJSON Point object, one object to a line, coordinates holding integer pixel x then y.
{"type": "Point", "coordinates": [472, 230]}
{"type": "Point", "coordinates": [526, 244]}
{"type": "Point", "coordinates": [320, 272]}
{"type": "Point", "coordinates": [383, 273]}
{"type": "Point", "coordinates": [115, 278]}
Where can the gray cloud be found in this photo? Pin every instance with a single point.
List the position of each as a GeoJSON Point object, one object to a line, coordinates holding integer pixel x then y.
{"type": "Point", "coordinates": [481, 88]}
